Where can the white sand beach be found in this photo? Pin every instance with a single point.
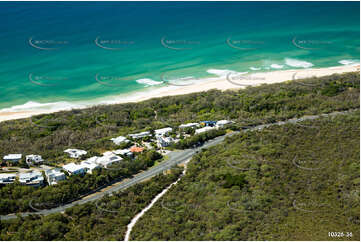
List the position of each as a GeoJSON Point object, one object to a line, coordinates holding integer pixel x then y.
{"type": "Point", "coordinates": [226, 82]}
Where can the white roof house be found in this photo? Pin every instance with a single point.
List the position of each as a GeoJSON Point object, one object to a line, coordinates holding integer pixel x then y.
{"type": "Point", "coordinates": [164, 141]}
{"type": "Point", "coordinates": [90, 164]}
{"type": "Point", "coordinates": [33, 178]}
{"type": "Point", "coordinates": [125, 152]}
{"type": "Point", "coordinates": [54, 175]}
{"type": "Point", "coordinates": [108, 160]}
{"type": "Point", "coordinates": [75, 153]}
{"type": "Point", "coordinates": [7, 178]}
{"type": "Point", "coordinates": [74, 169]}
{"type": "Point", "coordinates": [33, 159]}
{"type": "Point", "coordinates": [12, 157]}
{"type": "Point", "coordinates": [221, 123]}
{"type": "Point", "coordinates": [118, 140]}
{"type": "Point", "coordinates": [140, 135]}
{"type": "Point", "coordinates": [162, 132]}
{"type": "Point", "coordinates": [204, 129]}
{"type": "Point", "coordinates": [188, 125]}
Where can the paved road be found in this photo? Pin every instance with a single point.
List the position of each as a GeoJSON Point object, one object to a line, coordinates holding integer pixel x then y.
{"type": "Point", "coordinates": [175, 157]}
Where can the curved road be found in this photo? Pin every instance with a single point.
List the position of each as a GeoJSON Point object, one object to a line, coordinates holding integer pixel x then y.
{"type": "Point", "coordinates": [175, 157]}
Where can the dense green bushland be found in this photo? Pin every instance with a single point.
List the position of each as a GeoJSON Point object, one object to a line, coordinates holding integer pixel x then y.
{"type": "Point", "coordinates": [198, 139]}
{"type": "Point", "coordinates": [19, 198]}
{"type": "Point", "coordinates": [90, 129]}
{"type": "Point", "coordinates": [290, 182]}
{"type": "Point", "coordinates": [104, 220]}
{"type": "Point", "coordinates": [259, 185]}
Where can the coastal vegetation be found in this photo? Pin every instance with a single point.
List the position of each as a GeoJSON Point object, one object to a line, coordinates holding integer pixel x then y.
{"type": "Point", "coordinates": [105, 219]}
{"type": "Point", "coordinates": [91, 129]}
{"type": "Point", "coordinates": [288, 182]}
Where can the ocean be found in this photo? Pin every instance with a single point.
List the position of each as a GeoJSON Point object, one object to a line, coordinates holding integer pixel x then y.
{"type": "Point", "coordinates": [69, 54]}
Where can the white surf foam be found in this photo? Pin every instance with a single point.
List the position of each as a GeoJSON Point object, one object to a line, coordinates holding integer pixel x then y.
{"type": "Point", "coordinates": [349, 62]}
{"type": "Point", "coordinates": [254, 68]}
{"type": "Point", "coordinates": [148, 82]}
{"type": "Point", "coordinates": [35, 106]}
{"type": "Point", "coordinates": [224, 72]}
{"type": "Point", "coordinates": [298, 63]}
{"type": "Point", "coordinates": [276, 66]}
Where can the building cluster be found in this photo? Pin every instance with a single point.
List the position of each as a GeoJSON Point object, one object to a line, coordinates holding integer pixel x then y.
{"type": "Point", "coordinates": [109, 158]}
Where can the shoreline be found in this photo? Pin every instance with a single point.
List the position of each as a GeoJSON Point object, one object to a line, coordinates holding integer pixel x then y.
{"type": "Point", "coordinates": [223, 82]}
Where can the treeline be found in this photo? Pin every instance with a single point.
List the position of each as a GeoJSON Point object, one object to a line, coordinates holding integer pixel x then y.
{"type": "Point", "coordinates": [90, 129]}
{"type": "Point", "coordinates": [105, 219]}
{"type": "Point", "coordinates": [198, 139]}
{"type": "Point", "coordinates": [286, 183]}
{"type": "Point", "coordinates": [20, 198]}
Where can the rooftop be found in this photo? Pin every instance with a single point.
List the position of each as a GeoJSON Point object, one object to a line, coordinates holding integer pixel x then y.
{"type": "Point", "coordinates": [119, 139]}
{"type": "Point", "coordinates": [12, 157]}
{"type": "Point", "coordinates": [136, 149]}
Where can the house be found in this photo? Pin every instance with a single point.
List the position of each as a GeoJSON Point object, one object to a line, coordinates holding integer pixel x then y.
{"type": "Point", "coordinates": [188, 125]}
{"type": "Point", "coordinates": [75, 153]}
{"type": "Point", "coordinates": [135, 149]}
{"type": "Point", "coordinates": [33, 178]}
{"type": "Point", "coordinates": [140, 135]}
{"type": "Point", "coordinates": [162, 132]}
{"type": "Point", "coordinates": [222, 123]}
{"type": "Point", "coordinates": [7, 178]}
{"type": "Point", "coordinates": [90, 164]}
{"type": "Point", "coordinates": [164, 141]}
{"type": "Point", "coordinates": [74, 169]}
{"type": "Point", "coordinates": [33, 159]}
{"type": "Point", "coordinates": [108, 160]}
{"type": "Point", "coordinates": [54, 176]}
{"type": "Point", "coordinates": [124, 152]}
{"type": "Point", "coordinates": [118, 140]}
{"type": "Point", "coordinates": [208, 123]}
{"type": "Point", "coordinates": [204, 129]}
{"type": "Point", "coordinates": [12, 158]}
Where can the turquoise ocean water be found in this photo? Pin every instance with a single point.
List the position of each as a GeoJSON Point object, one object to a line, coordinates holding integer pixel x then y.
{"type": "Point", "coordinates": [78, 51]}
